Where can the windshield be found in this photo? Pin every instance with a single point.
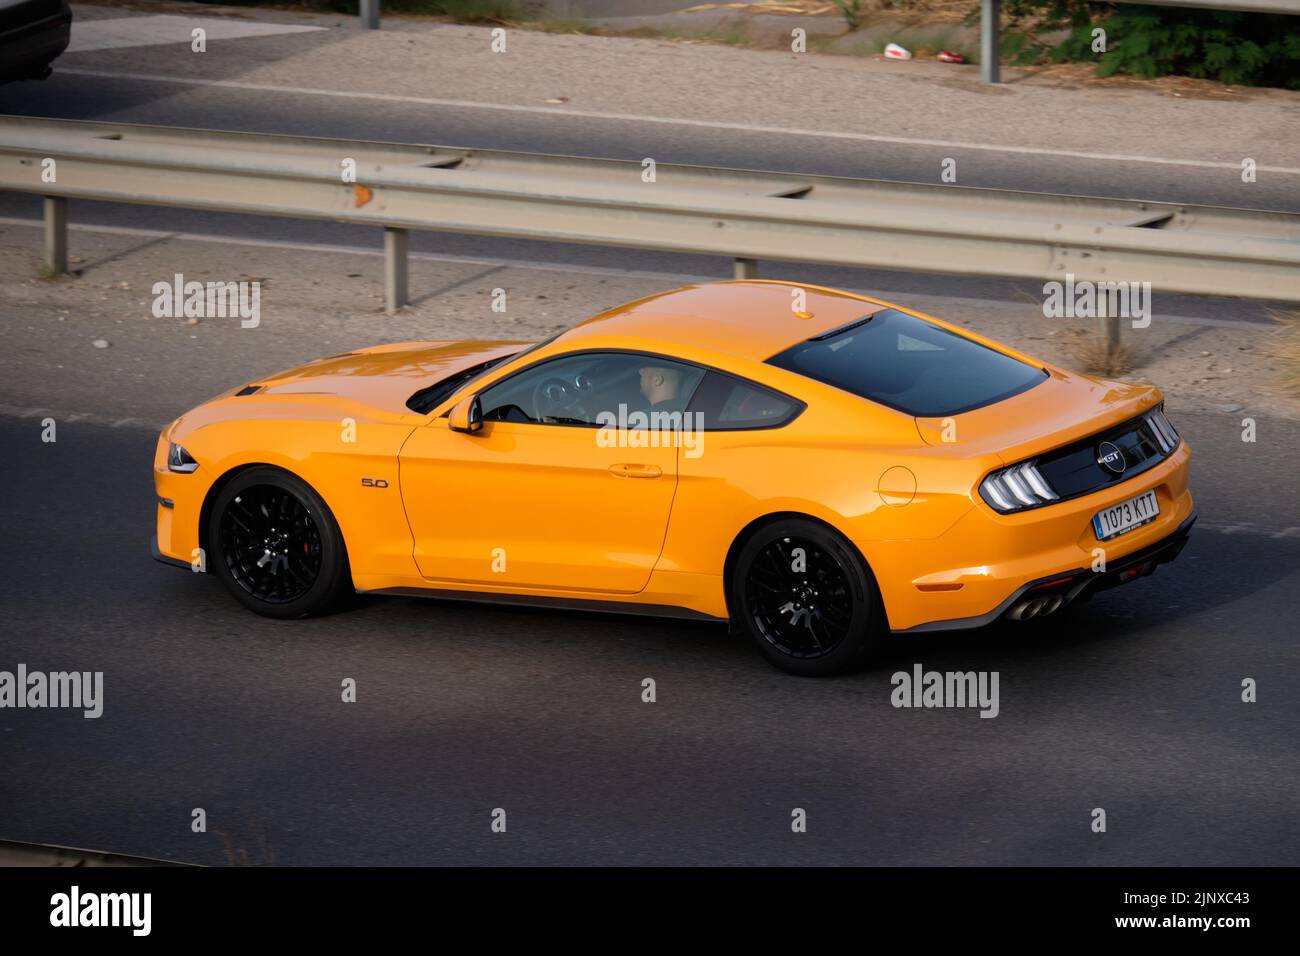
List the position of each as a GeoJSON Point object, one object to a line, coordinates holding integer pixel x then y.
{"type": "Point", "coordinates": [427, 399]}
{"type": "Point", "coordinates": [909, 364]}
{"type": "Point", "coordinates": [430, 397]}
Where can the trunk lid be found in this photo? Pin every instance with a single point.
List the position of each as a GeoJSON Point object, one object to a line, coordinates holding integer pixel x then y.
{"type": "Point", "coordinates": [1064, 408]}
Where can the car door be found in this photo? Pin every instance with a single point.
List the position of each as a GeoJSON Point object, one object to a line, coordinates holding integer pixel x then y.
{"type": "Point", "coordinates": [555, 491]}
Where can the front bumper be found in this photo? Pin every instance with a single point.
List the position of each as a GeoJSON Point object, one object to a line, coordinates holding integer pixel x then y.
{"type": "Point", "coordinates": [165, 558]}
{"type": "Point", "coordinates": [179, 503]}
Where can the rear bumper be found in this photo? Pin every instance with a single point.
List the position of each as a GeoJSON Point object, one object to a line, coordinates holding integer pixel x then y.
{"type": "Point", "coordinates": [1058, 590]}
{"type": "Point", "coordinates": [26, 51]}
{"type": "Point", "coordinates": [977, 569]}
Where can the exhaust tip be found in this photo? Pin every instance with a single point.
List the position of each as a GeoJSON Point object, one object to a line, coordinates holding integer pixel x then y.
{"type": "Point", "coordinates": [1036, 607]}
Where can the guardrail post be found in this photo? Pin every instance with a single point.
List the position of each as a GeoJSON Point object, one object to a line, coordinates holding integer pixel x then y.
{"type": "Point", "coordinates": [56, 235]}
{"type": "Point", "coordinates": [1108, 326]}
{"type": "Point", "coordinates": [990, 68]}
{"type": "Point", "coordinates": [745, 268]}
{"type": "Point", "coordinates": [369, 14]}
{"type": "Point", "coordinates": [396, 244]}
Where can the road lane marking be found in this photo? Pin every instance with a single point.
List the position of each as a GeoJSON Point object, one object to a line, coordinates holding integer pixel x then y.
{"type": "Point", "coordinates": [675, 121]}
{"type": "Point", "coordinates": [81, 418]}
{"type": "Point", "coordinates": [1248, 528]}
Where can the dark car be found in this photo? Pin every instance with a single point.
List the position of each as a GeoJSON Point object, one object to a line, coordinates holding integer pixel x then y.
{"type": "Point", "coordinates": [32, 34]}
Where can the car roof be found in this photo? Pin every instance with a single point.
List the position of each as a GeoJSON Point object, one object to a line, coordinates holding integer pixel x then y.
{"type": "Point", "coordinates": [754, 319]}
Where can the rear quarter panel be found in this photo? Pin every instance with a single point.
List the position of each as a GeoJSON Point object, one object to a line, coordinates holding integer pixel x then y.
{"type": "Point", "coordinates": [860, 468]}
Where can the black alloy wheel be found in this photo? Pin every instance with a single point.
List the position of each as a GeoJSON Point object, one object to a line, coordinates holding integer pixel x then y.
{"type": "Point", "coordinates": [275, 544]}
{"type": "Point", "coordinates": [270, 544]}
{"type": "Point", "coordinates": [806, 597]}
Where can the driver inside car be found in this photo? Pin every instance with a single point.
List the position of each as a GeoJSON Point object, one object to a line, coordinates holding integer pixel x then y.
{"type": "Point", "coordinates": [661, 387]}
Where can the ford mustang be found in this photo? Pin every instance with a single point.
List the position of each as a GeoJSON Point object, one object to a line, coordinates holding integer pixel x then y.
{"type": "Point", "coordinates": [824, 470]}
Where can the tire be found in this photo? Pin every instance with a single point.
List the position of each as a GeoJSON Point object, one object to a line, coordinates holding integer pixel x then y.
{"type": "Point", "coordinates": [814, 617]}
{"type": "Point", "coordinates": [303, 568]}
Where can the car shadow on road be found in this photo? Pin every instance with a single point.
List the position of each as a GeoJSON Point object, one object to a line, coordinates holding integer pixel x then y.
{"type": "Point", "coordinates": [1220, 580]}
{"type": "Point", "coordinates": [1215, 571]}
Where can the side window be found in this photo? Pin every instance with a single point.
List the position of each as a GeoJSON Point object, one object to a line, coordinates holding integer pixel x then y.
{"type": "Point", "coordinates": [724, 403]}
{"type": "Point", "coordinates": [592, 389]}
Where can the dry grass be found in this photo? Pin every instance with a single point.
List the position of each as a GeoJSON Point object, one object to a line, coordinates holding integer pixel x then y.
{"type": "Point", "coordinates": [1084, 75]}
{"type": "Point", "coordinates": [946, 9]}
{"type": "Point", "coordinates": [1093, 356]}
{"type": "Point", "coordinates": [1286, 351]}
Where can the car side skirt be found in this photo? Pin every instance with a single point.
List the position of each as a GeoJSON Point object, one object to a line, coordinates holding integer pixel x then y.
{"type": "Point", "coordinates": [539, 601]}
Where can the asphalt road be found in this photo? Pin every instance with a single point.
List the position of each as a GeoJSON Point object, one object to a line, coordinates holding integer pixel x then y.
{"type": "Point", "coordinates": [1133, 706]}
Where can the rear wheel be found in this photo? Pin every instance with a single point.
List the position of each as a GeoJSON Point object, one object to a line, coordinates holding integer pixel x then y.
{"type": "Point", "coordinates": [274, 543]}
{"type": "Point", "coordinates": [805, 596]}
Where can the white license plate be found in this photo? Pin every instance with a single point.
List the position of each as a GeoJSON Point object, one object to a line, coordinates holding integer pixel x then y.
{"type": "Point", "coordinates": [1126, 515]}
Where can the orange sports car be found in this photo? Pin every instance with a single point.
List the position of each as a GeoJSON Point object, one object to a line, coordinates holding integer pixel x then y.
{"type": "Point", "coordinates": [822, 469]}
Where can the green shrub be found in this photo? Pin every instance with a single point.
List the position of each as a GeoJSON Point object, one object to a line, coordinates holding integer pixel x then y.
{"type": "Point", "coordinates": [851, 11]}
{"type": "Point", "coordinates": [1247, 49]}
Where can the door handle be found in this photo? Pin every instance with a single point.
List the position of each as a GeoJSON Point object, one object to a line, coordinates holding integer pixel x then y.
{"type": "Point", "coordinates": [628, 470]}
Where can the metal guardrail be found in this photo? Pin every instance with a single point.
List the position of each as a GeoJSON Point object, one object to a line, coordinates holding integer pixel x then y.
{"type": "Point", "coordinates": [991, 13]}
{"type": "Point", "coordinates": [738, 214]}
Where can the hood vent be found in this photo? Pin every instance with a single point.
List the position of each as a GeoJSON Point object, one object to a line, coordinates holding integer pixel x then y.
{"type": "Point", "coordinates": [248, 390]}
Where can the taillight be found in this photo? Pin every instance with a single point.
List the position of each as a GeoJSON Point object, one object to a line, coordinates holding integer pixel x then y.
{"type": "Point", "coordinates": [1016, 488]}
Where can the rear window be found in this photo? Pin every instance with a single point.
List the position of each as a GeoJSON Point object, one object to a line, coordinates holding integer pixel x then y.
{"type": "Point", "coordinates": [911, 365]}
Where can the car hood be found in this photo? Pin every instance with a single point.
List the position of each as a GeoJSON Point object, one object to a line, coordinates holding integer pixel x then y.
{"type": "Point", "coordinates": [1065, 407]}
{"type": "Point", "coordinates": [370, 384]}
{"type": "Point", "coordinates": [384, 376]}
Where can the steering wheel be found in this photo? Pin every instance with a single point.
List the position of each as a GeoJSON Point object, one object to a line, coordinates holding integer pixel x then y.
{"type": "Point", "coordinates": [557, 398]}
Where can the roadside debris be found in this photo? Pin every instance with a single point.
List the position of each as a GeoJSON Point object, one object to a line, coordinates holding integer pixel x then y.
{"type": "Point", "coordinates": [895, 52]}
{"type": "Point", "coordinates": [100, 343]}
{"type": "Point", "coordinates": [946, 56]}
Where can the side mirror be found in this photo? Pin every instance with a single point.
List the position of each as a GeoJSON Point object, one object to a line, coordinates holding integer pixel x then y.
{"type": "Point", "coordinates": [467, 415]}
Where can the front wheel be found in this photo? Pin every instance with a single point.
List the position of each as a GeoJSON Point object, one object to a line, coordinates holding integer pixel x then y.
{"type": "Point", "coordinates": [805, 596]}
{"type": "Point", "coordinates": [274, 543]}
